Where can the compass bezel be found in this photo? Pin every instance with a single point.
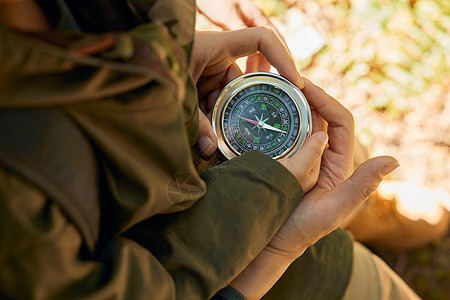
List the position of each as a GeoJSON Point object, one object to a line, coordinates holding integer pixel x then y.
{"type": "Point", "coordinates": [258, 78]}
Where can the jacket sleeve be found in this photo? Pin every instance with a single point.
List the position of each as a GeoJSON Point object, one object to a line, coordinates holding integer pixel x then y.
{"type": "Point", "coordinates": [193, 254]}
{"type": "Point", "coordinates": [247, 199]}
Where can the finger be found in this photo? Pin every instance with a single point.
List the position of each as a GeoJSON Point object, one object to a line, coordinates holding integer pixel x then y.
{"type": "Point", "coordinates": [302, 162]}
{"type": "Point", "coordinates": [323, 126]}
{"type": "Point", "coordinates": [203, 105]}
{"type": "Point", "coordinates": [233, 72]}
{"type": "Point", "coordinates": [234, 21]}
{"type": "Point", "coordinates": [227, 16]}
{"type": "Point", "coordinates": [311, 152]}
{"type": "Point", "coordinates": [351, 193]}
{"type": "Point", "coordinates": [251, 41]}
{"type": "Point", "coordinates": [206, 84]}
{"type": "Point", "coordinates": [212, 98]}
{"type": "Point", "coordinates": [253, 16]}
{"type": "Point", "coordinates": [206, 141]}
{"type": "Point", "coordinates": [328, 107]}
{"type": "Point", "coordinates": [315, 122]}
{"type": "Point", "coordinates": [316, 127]}
{"type": "Point", "coordinates": [340, 121]}
{"type": "Point", "coordinates": [323, 123]}
{"type": "Point", "coordinates": [209, 87]}
{"type": "Point", "coordinates": [257, 63]}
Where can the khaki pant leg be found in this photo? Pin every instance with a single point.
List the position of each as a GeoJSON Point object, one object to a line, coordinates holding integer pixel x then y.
{"type": "Point", "coordinates": [364, 281]}
{"type": "Point", "coordinates": [392, 286]}
{"type": "Point", "coordinates": [373, 279]}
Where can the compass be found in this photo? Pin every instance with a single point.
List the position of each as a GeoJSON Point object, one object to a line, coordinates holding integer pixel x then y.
{"type": "Point", "coordinates": [261, 111]}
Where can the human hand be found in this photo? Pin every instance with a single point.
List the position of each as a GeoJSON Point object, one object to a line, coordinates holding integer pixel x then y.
{"type": "Point", "coordinates": [331, 200]}
{"type": "Point", "coordinates": [239, 14]}
{"type": "Point", "coordinates": [213, 65]}
{"type": "Point", "coordinates": [335, 195]}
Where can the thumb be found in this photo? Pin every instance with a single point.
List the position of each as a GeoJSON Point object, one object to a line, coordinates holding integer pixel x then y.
{"type": "Point", "coordinates": [309, 155]}
{"type": "Point", "coordinates": [207, 140]}
{"type": "Point", "coordinates": [362, 183]}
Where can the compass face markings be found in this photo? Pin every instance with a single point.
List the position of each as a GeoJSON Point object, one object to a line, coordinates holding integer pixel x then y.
{"type": "Point", "coordinates": [261, 117]}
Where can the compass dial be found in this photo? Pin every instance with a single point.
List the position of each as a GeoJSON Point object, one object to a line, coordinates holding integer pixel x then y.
{"type": "Point", "coordinates": [259, 118]}
{"type": "Point", "coordinates": [261, 111]}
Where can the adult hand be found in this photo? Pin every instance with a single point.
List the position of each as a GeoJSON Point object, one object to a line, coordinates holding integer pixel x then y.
{"type": "Point", "coordinates": [335, 196]}
{"type": "Point", "coordinates": [213, 66]}
{"type": "Point", "coordinates": [239, 14]}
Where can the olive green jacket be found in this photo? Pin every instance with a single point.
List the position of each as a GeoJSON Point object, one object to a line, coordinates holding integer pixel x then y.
{"type": "Point", "coordinates": [99, 196]}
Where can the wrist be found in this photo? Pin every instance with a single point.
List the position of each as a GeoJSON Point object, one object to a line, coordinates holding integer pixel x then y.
{"type": "Point", "coordinates": [283, 256]}
{"type": "Point", "coordinates": [261, 274]}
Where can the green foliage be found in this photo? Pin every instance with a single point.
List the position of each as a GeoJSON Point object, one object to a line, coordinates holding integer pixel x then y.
{"type": "Point", "coordinates": [401, 49]}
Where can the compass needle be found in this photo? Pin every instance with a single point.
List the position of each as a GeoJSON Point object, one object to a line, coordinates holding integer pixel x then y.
{"type": "Point", "coordinates": [248, 120]}
{"type": "Point", "coordinates": [266, 126]}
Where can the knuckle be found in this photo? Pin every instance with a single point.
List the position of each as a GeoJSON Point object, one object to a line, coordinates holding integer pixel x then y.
{"type": "Point", "coordinates": [265, 31]}
{"type": "Point", "coordinates": [349, 119]}
{"type": "Point", "coordinates": [364, 190]}
{"type": "Point", "coordinates": [367, 190]}
{"type": "Point", "coordinates": [372, 186]}
{"type": "Point", "coordinates": [349, 116]}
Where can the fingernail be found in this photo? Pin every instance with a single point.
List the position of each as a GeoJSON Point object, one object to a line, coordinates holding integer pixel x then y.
{"type": "Point", "coordinates": [388, 168]}
{"type": "Point", "coordinates": [205, 144]}
{"type": "Point", "coordinates": [323, 137]}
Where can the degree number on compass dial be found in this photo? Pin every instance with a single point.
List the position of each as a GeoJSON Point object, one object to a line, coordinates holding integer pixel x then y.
{"type": "Point", "coordinates": [264, 112]}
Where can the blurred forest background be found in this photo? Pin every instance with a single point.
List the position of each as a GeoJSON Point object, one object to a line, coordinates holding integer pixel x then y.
{"type": "Point", "coordinates": [388, 61]}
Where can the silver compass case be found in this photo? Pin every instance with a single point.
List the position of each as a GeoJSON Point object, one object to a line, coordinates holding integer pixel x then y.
{"type": "Point", "coordinates": [259, 80]}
